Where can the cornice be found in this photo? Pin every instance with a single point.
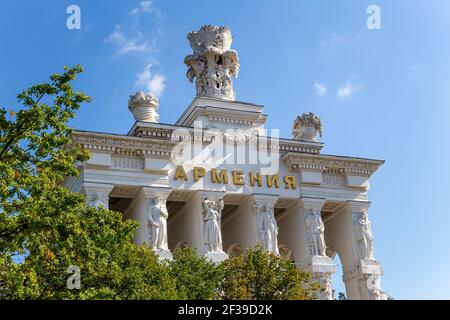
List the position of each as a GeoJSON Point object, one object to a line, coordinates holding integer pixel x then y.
{"type": "Point", "coordinates": [158, 141]}
{"type": "Point", "coordinates": [123, 145]}
{"type": "Point", "coordinates": [229, 116]}
{"type": "Point", "coordinates": [219, 104]}
{"type": "Point", "coordinates": [328, 163]}
{"type": "Point", "coordinates": [284, 146]}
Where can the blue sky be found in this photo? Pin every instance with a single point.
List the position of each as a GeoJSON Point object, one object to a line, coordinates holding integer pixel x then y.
{"type": "Point", "coordinates": [387, 92]}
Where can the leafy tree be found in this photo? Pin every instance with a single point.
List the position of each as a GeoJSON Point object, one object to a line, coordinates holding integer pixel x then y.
{"type": "Point", "coordinates": [44, 228]}
{"type": "Point", "coordinates": [196, 277]}
{"type": "Point", "coordinates": [259, 275]}
{"type": "Point", "coordinates": [252, 275]}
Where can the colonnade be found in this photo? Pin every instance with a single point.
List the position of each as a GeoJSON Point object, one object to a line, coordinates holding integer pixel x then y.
{"type": "Point", "coordinates": [300, 227]}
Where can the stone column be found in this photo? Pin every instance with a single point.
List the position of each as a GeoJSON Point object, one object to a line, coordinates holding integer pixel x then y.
{"type": "Point", "coordinates": [362, 278]}
{"type": "Point", "coordinates": [97, 194]}
{"type": "Point", "coordinates": [316, 261]}
{"type": "Point", "coordinates": [266, 225]}
{"type": "Point", "coordinates": [208, 210]}
{"type": "Point", "coordinates": [155, 219]}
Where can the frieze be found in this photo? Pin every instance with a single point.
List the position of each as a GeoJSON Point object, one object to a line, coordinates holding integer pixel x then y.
{"type": "Point", "coordinates": [334, 179]}
{"type": "Point", "coordinates": [127, 163]}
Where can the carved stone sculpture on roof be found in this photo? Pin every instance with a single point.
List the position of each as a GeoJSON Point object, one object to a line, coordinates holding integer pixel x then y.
{"type": "Point", "coordinates": [212, 63]}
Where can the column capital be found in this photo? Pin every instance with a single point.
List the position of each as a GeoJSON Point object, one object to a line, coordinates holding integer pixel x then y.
{"type": "Point", "coordinates": [91, 187]}
{"type": "Point", "coordinates": [97, 194]}
{"type": "Point", "coordinates": [268, 199]}
{"type": "Point", "coordinates": [312, 203]}
{"type": "Point", "coordinates": [211, 195]}
{"type": "Point", "coordinates": [152, 192]}
{"type": "Point", "coordinates": [358, 206]}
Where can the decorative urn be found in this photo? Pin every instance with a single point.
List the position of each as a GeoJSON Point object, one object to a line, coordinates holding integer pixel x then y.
{"type": "Point", "coordinates": [143, 106]}
{"type": "Point", "coordinates": [306, 127]}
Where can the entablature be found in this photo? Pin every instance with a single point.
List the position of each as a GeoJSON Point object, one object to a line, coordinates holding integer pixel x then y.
{"type": "Point", "coordinates": [331, 164]}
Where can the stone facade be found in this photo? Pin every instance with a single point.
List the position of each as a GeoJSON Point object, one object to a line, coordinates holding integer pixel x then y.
{"type": "Point", "coordinates": [218, 181]}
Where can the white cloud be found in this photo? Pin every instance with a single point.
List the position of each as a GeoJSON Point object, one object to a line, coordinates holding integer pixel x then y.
{"type": "Point", "coordinates": [346, 90]}
{"type": "Point", "coordinates": [134, 12]}
{"type": "Point", "coordinates": [127, 38]}
{"type": "Point", "coordinates": [320, 88]}
{"type": "Point", "coordinates": [125, 44]}
{"type": "Point", "coordinates": [151, 82]}
{"type": "Point", "coordinates": [146, 7]}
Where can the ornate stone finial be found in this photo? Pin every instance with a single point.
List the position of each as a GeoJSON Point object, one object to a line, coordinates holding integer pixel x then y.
{"type": "Point", "coordinates": [144, 106]}
{"type": "Point", "coordinates": [306, 127]}
{"type": "Point", "coordinates": [213, 62]}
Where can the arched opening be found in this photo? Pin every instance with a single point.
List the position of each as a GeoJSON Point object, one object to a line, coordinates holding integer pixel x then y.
{"type": "Point", "coordinates": [339, 239]}
{"type": "Point", "coordinates": [337, 282]}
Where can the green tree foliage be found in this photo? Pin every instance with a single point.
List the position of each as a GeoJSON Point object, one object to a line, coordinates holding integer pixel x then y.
{"type": "Point", "coordinates": [265, 276]}
{"type": "Point", "coordinates": [51, 228]}
{"type": "Point", "coordinates": [196, 278]}
{"type": "Point", "coordinates": [45, 228]}
{"type": "Point", "coordinates": [254, 275]}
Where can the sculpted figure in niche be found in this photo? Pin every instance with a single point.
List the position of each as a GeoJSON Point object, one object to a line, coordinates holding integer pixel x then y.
{"type": "Point", "coordinates": [95, 200]}
{"type": "Point", "coordinates": [157, 221]}
{"type": "Point", "coordinates": [267, 227]}
{"type": "Point", "coordinates": [365, 236]}
{"type": "Point", "coordinates": [316, 228]}
{"type": "Point", "coordinates": [212, 235]}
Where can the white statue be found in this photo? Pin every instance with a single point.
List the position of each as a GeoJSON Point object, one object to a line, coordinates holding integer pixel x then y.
{"type": "Point", "coordinates": [316, 228]}
{"type": "Point", "coordinates": [365, 236]}
{"type": "Point", "coordinates": [212, 235]}
{"type": "Point", "coordinates": [96, 200]}
{"type": "Point", "coordinates": [157, 221]}
{"type": "Point", "coordinates": [267, 228]}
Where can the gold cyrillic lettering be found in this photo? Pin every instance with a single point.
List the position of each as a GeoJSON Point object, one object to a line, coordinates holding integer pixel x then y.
{"type": "Point", "coordinates": [199, 173]}
{"type": "Point", "coordinates": [180, 174]}
{"type": "Point", "coordinates": [273, 180]}
{"type": "Point", "coordinates": [219, 178]}
{"type": "Point", "coordinates": [238, 177]}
